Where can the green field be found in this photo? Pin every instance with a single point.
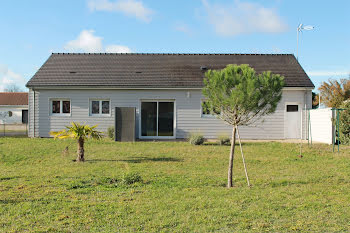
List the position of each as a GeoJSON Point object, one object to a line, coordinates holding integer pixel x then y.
{"type": "Point", "coordinates": [182, 188]}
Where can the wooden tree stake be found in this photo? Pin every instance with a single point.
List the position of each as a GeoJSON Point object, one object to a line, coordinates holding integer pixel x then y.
{"type": "Point", "coordinates": [245, 167]}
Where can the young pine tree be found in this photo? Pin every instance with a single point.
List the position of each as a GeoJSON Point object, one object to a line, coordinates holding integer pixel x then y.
{"type": "Point", "coordinates": [240, 96]}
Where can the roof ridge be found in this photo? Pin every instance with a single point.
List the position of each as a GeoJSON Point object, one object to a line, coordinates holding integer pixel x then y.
{"type": "Point", "coordinates": [253, 54]}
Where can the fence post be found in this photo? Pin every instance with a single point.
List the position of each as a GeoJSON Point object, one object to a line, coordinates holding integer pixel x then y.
{"type": "Point", "coordinates": [338, 127]}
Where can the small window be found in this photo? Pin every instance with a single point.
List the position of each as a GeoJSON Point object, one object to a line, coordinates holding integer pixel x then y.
{"type": "Point", "coordinates": [95, 107]}
{"type": "Point", "coordinates": [60, 107]}
{"type": "Point", "coordinates": [100, 107]}
{"type": "Point", "coordinates": [292, 108]}
{"type": "Point", "coordinates": [105, 107]}
{"type": "Point", "coordinates": [205, 111]}
{"type": "Point", "coordinates": [205, 108]}
{"type": "Point", "coordinates": [56, 106]}
{"type": "Point", "coordinates": [66, 106]}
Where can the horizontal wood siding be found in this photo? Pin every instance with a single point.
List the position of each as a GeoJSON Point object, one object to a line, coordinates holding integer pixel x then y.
{"type": "Point", "coordinates": [31, 110]}
{"type": "Point", "coordinates": [188, 112]}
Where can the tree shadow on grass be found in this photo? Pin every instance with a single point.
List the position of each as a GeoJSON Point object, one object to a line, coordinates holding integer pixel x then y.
{"type": "Point", "coordinates": [225, 145]}
{"type": "Point", "coordinates": [8, 201]}
{"type": "Point", "coordinates": [9, 178]}
{"type": "Point", "coordinates": [136, 160]}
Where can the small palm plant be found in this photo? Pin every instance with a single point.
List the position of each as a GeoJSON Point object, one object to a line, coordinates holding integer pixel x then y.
{"type": "Point", "coordinates": [80, 133]}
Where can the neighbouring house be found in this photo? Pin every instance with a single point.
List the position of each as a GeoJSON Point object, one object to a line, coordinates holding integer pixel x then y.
{"type": "Point", "coordinates": [14, 107]}
{"type": "Point", "coordinates": [163, 89]}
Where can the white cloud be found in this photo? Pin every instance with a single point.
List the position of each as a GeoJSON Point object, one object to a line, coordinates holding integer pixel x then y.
{"type": "Point", "coordinates": [129, 7]}
{"type": "Point", "coordinates": [7, 77]}
{"type": "Point", "coordinates": [328, 73]}
{"type": "Point", "coordinates": [243, 18]}
{"type": "Point", "coordinates": [89, 43]}
{"type": "Point", "coordinates": [86, 42]}
{"type": "Point", "coordinates": [181, 27]}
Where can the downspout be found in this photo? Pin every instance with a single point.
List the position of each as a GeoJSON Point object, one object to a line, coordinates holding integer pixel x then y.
{"type": "Point", "coordinates": [34, 113]}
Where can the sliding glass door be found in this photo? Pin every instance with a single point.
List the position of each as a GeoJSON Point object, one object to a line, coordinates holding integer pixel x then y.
{"type": "Point", "coordinates": [157, 119]}
{"type": "Point", "coordinates": [166, 119]}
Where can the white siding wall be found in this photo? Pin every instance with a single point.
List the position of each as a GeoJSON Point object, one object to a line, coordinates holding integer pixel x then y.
{"type": "Point", "coordinates": [16, 117]}
{"type": "Point", "coordinates": [30, 114]}
{"type": "Point", "coordinates": [33, 122]}
{"type": "Point", "coordinates": [304, 100]}
{"type": "Point", "coordinates": [188, 112]}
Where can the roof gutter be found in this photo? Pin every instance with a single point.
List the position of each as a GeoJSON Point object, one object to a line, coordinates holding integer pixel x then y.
{"type": "Point", "coordinates": [114, 88]}
{"type": "Point", "coordinates": [141, 88]}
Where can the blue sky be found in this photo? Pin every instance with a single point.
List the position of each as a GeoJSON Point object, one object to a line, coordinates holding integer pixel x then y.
{"type": "Point", "coordinates": [32, 30]}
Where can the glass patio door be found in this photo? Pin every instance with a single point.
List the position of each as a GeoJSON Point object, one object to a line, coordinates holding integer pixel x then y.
{"type": "Point", "coordinates": [157, 119]}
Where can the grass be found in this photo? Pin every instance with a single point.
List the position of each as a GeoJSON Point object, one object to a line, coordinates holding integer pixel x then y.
{"type": "Point", "coordinates": [179, 188]}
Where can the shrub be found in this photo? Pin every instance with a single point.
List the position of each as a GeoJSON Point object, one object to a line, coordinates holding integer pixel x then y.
{"type": "Point", "coordinates": [224, 140]}
{"type": "Point", "coordinates": [344, 125]}
{"type": "Point", "coordinates": [110, 132]}
{"type": "Point", "coordinates": [131, 178]}
{"type": "Point", "coordinates": [196, 139]}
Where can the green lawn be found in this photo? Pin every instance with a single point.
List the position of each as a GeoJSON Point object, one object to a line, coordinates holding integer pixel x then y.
{"type": "Point", "coordinates": [183, 187]}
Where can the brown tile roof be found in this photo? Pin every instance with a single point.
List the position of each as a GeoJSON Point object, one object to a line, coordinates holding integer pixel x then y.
{"type": "Point", "coordinates": [13, 98]}
{"type": "Point", "coordinates": [137, 70]}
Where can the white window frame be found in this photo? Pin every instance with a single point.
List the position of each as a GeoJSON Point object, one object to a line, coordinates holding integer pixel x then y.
{"type": "Point", "coordinates": [140, 124]}
{"type": "Point", "coordinates": [61, 107]}
{"type": "Point", "coordinates": [100, 114]}
{"type": "Point", "coordinates": [205, 115]}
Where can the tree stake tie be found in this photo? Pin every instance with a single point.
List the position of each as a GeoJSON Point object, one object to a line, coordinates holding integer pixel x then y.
{"type": "Point", "coordinates": [245, 166]}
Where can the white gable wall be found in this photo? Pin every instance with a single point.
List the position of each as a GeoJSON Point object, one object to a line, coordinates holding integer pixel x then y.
{"type": "Point", "coordinates": [188, 112]}
{"type": "Point", "coordinates": [16, 117]}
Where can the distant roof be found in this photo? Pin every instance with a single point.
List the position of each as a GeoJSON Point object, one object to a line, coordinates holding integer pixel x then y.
{"type": "Point", "coordinates": [143, 70]}
{"type": "Point", "coordinates": [13, 98]}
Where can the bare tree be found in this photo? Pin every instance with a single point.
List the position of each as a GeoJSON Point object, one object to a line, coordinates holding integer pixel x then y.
{"type": "Point", "coordinates": [13, 88]}
{"type": "Point", "coordinates": [4, 116]}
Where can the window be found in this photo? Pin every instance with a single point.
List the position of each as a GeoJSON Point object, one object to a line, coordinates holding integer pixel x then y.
{"type": "Point", "coordinates": [60, 107]}
{"type": "Point", "coordinates": [205, 112]}
{"type": "Point", "coordinates": [65, 106]}
{"type": "Point", "coordinates": [105, 107]}
{"type": "Point", "coordinates": [56, 106]}
{"type": "Point", "coordinates": [100, 107]}
{"type": "Point", "coordinates": [157, 118]}
{"type": "Point", "coordinates": [292, 108]}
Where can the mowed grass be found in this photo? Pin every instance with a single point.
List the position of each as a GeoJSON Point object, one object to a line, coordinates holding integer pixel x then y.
{"type": "Point", "coordinates": [183, 187]}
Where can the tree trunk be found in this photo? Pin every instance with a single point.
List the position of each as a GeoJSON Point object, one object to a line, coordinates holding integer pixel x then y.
{"type": "Point", "coordinates": [232, 154]}
{"type": "Point", "coordinates": [80, 151]}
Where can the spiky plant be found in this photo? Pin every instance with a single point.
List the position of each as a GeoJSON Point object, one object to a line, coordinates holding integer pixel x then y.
{"type": "Point", "coordinates": [80, 132]}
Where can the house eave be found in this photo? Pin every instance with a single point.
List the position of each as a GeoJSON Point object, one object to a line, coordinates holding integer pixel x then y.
{"type": "Point", "coordinates": [135, 88]}
{"type": "Point", "coordinates": [110, 88]}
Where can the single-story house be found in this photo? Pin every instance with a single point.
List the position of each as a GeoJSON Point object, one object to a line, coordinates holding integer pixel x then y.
{"type": "Point", "coordinates": [13, 107]}
{"type": "Point", "coordinates": [163, 89]}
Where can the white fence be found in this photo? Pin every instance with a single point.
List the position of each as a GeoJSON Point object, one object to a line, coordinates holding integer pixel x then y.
{"type": "Point", "coordinates": [320, 125]}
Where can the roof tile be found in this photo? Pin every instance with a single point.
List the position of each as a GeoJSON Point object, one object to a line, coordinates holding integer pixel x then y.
{"type": "Point", "coordinates": [156, 70]}
{"type": "Point", "coordinates": [13, 98]}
